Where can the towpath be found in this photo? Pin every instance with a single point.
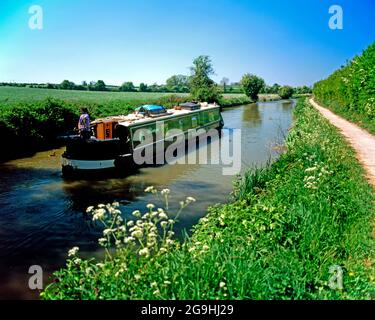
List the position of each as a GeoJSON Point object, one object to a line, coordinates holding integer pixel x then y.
{"type": "Point", "coordinates": [362, 141]}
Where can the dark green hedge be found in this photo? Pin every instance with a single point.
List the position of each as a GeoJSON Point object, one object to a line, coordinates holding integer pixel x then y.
{"type": "Point", "coordinates": [25, 128]}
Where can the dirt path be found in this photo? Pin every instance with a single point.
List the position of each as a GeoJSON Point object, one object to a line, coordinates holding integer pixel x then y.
{"type": "Point", "coordinates": [362, 141]}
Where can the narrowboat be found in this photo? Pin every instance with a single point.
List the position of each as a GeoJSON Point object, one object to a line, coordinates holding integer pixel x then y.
{"type": "Point", "coordinates": [115, 139]}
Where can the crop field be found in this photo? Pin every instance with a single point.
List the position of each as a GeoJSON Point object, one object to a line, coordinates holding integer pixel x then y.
{"type": "Point", "coordinates": [12, 95]}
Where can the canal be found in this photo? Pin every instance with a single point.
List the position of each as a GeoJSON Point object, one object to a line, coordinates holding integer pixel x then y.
{"type": "Point", "coordinates": [42, 215]}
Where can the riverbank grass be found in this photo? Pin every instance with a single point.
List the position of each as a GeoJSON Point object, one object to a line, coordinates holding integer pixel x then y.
{"type": "Point", "coordinates": [286, 230]}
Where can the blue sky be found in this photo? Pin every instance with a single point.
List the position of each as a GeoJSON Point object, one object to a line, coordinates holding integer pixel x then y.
{"type": "Point", "coordinates": [288, 42]}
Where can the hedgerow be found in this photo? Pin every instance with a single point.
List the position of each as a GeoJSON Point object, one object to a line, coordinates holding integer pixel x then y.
{"type": "Point", "coordinates": [350, 91]}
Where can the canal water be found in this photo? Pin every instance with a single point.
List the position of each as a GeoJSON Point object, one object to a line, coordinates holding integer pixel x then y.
{"type": "Point", "coordinates": [42, 215]}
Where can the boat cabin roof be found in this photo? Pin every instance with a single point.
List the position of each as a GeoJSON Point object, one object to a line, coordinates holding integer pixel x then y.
{"type": "Point", "coordinates": [140, 118]}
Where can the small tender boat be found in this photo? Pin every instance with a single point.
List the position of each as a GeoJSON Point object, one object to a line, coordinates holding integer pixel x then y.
{"type": "Point", "coordinates": [115, 139]}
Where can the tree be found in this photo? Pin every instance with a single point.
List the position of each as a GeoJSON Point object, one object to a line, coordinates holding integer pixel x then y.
{"type": "Point", "coordinates": [178, 83]}
{"type": "Point", "coordinates": [286, 92]}
{"type": "Point", "coordinates": [252, 85]}
{"type": "Point", "coordinates": [202, 87]}
{"type": "Point", "coordinates": [224, 82]}
{"type": "Point", "coordinates": [143, 87]}
{"type": "Point", "coordinates": [127, 87]}
{"type": "Point", "coordinates": [67, 85]}
{"type": "Point", "coordinates": [275, 88]}
{"type": "Point", "coordinates": [100, 86]}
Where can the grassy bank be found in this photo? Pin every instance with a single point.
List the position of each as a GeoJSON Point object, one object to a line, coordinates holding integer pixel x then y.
{"type": "Point", "coordinates": [350, 91]}
{"type": "Point", "coordinates": [285, 227]}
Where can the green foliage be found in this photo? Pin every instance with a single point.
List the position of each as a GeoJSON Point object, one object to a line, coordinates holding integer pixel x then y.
{"type": "Point", "coordinates": [350, 91]}
{"type": "Point", "coordinates": [286, 92]}
{"type": "Point", "coordinates": [143, 87]}
{"type": "Point", "coordinates": [277, 239]}
{"type": "Point", "coordinates": [67, 85]}
{"type": "Point", "coordinates": [202, 87]}
{"type": "Point", "coordinates": [127, 87]}
{"type": "Point", "coordinates": [233, 100]}
{"type": "Point", "coordinates": [98, 86]}
{"type": "Point", "coordinates": [252, 85]}
{"type": "Point", "coordinates": [178, 83]}
{"type": "Point", "coordinates": [25, 127]}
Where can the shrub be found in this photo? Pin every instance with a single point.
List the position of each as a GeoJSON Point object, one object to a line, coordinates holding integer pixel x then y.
{"type": "Point", "coordinates": [350, 91]}
{"type": "Point", "coordinates": [286, 92]}
{"type": "Point", "coordinates": [252, 85]}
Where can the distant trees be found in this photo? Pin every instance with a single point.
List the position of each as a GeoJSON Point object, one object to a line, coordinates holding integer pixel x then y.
{"type": "Point", "coordinates": [224, 82]}
{"type": "Point", "coordinates": [302, 90]}
{"type": "Point", "coordinates": [178, 83]}
{"type": "Point", "coordinates": [67, 85]}
{"type": "Point", "coordinates": [202, 87]}
{"type": "Point", "coordinates": [286, 92]}
{"type": "Point", "coordinates": [143, 87]}
{"type": "Point", "coordinates": [99, 86]}
{"type": "Point", "coordinates": [127, 87]}
{"type": "Point", "coordinates": [252, 85]}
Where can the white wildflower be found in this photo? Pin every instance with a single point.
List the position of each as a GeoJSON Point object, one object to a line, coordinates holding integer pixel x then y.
{"type": "Point", "coordinates": [165, 192]}
{"type": "Point", "coordinates": [137, 234]}
{"type": "Point", "coordinates": [99, 214]}
{"type": "Point", "coordinates": [89, 209]}
{"type": "Point", "coordinates": [150, 189]}
{"type": "Point", "coordinates": [162, 215]}
{"type": "Point", "coordinates": [150, 206]}
{"type": "Point", "coordinates": [163, 250]}
{"type": "Point", "coordinates": [73, 251]}
{"type": "Point", "coordinates": [144, 252]}
{"type": "Point", "coordinates": [190, 200]}
{"type": "Point", "coordinates": [129, 239]}
{"type": "Point", "coordinates": [136, 213]}
{"type": "Point", "coordinates": [106, 232]}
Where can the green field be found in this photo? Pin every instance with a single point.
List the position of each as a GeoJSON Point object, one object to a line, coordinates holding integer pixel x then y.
{"type": "Point", "coordinates": [13, 95]}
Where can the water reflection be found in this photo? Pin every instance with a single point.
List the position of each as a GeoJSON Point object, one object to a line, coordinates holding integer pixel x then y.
{"type": "Point", "coordinates": [251, 114]}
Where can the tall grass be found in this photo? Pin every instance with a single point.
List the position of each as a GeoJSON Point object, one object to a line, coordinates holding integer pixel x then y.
{"type": "Point", "coordinates": [285, 228]}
